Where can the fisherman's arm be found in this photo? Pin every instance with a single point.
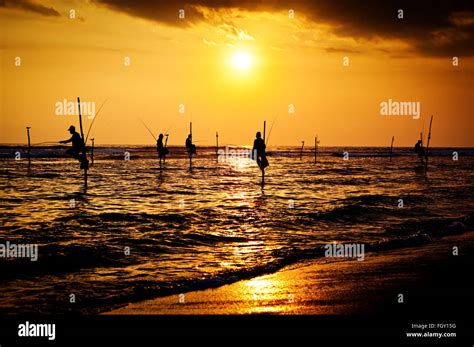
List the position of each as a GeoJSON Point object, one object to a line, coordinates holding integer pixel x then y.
{"type": "Point", "coordinates": [66, 141]}
{"type": "Point", "coordinates": [255, 145]}
{"type": "Point", "coordinates": [254, 153]}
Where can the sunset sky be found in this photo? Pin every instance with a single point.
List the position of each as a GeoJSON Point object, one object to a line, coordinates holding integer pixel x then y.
{"type": "Point", "coordinates": [234, 64]}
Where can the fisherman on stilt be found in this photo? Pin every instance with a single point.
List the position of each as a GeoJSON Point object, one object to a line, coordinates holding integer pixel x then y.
{"type": "Point", "coordinates": [162, 150]}
{"type": "Point", "coordinates": [78, 147]}
{"type": "Point", "coordinates": [259, 154]}
{"type": "Point", "coordinates": [190, 147]}
{"type": "Point", "coordinates": [418, 149]}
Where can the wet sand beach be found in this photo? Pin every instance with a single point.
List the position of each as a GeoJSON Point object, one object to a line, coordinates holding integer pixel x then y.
{"type": "Point", "coordinates": [430, 277]}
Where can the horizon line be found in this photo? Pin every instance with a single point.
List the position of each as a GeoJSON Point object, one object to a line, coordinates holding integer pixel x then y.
{"type": "Point", "coordinates": [229, 145]}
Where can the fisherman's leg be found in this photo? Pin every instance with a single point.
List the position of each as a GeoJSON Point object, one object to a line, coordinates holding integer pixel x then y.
{"type": "Point", "coordinates": [73, 153]}
{"type": "Point", "coordinates": [84, 162]}
{"type": "Point", "coordinates": [77, 155]}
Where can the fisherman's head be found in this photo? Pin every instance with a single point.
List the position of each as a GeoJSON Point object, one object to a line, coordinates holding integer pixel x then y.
{"type": "Point", "coordinates": [72, 129]}
{"type": "Point", "coordinates": [190, 136]}
{"type": "Point", "coordinates": [259, 135]}
{"type": "Point", "coordinates": [161, 136]}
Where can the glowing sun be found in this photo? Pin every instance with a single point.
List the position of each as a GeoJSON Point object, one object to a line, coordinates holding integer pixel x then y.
{"type": "Point", "coordinates": [241, 61]}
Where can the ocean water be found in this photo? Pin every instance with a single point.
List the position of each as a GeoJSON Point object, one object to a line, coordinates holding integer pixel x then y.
{"type": "Point", "coordinates": [138, 233]}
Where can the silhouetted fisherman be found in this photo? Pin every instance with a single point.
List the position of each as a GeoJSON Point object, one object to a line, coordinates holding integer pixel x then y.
{"type": "Point", "coordinates": [190, 148]}
{"type": "Point", "coordinates": [258, 152]}
{"type": "Point", "coordinates": [78, 147]}
{"type": "Point", "coordinates": [419, 150]}
{"type": "Point", "coordinates": [162, 150]}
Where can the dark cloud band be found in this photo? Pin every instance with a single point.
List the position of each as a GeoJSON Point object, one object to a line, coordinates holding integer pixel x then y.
{"type": "Point", "coordinates": [30, 6]}
{"type": "Point", "coordinates": [430, 26]}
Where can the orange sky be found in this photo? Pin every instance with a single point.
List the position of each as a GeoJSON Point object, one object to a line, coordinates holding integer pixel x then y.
{"type": "Point", "coordinates": [296, 61]}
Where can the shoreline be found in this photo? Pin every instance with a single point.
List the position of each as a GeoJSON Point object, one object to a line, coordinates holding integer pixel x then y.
{"type": "Point", "coordinates": [430, 278]}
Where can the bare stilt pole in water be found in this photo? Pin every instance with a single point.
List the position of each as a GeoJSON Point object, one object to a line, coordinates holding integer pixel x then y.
{"type": "Point", "coordinates": [391, 148]}
{"type": "Point", "coordinates": [316, 142]}
{"type": "Point", "coordinates": [190, 149]}
{"type": "Point", "coordinates": [263, 169]}
{"type": "Point", "coordinates": [217, 146]}
{"type": "Point", "coordinates": [92, 152]}
{"type": "Point", "coordinates": [427, 147]}
{"type": "Point", "coordinates": [84, 156]}
{"type": "Point", "coordinates": [166, 145]}
{"type": "Point", "coordinates": [421, 156]}
{"type": "Point", "coordinates": [301, 151]}
{"type": "Point", "coordinates": [29, 147]}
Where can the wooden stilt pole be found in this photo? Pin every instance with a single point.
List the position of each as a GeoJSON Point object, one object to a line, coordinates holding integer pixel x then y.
{"type": "Point", "coordinates": [263, 169]}
{"type": "Point", "coordinates": [85, 179]}
{"type": "Point", "coordinates": [427, 147]}
{"type": "Point", "coordinates": [29, 147]}
{"type": "Point", "coordinates": [190, 150]}
{"type": "Point", "coordinates": [92, 152]}
{"type": "Point", "coordinates": [421, 155]}
{"type": "Point", "coordinates": [166, 145]}
{"type": "Point", "coordinates": [301, 151]}
{"type": "Point", "coordinates": [159, 156]}
{"type": "Point", "coordinates": [217, 146]}
{"type": "Point", "coordinates": [315, 149]}
{"type": "Point", "coordinates": [391, 148]}
{"type": "Point", "coordinates": [83, 160]}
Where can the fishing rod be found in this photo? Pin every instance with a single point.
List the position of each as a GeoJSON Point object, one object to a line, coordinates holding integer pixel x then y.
{"type": "Point", "coordinates": [168, 130]}
{"type": "Point", "coordinates": [271, 128]}
{"type": "Point", "coordinates": [147, 128]}
{"type": "Point", "coordinates": [47, 142]}
{"type": "Point", "coordinates": [166, 150]}
{"type": "Point", "coordinates": [427, 147]}
{"type": "Point", "coordinates": [93, 120]}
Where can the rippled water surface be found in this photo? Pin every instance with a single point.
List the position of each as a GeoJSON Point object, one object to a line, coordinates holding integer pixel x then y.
{"type": "Point", "coordinates": [213, 225]}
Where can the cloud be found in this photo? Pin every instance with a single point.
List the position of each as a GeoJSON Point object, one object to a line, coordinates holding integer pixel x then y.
{"type": "Point", "coordinates": [161, 11]}
{"type": "Point", "coordinates": [232, 32]}
{"type": "Point", "coordinates": [209, 42]}
{"type": "Point", "coordinates": [431, 27]}
{"type": "Point", "coordinates": [31, 6]}
{"type": "Point", "coordinates": [342, 50]}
